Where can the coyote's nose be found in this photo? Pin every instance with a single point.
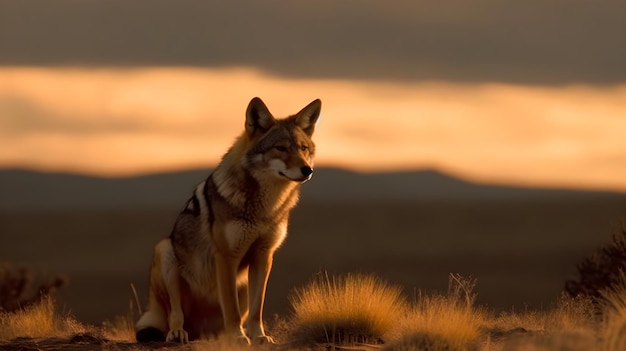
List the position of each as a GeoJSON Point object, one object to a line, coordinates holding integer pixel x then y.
{"type": "Point", "coordinates": [306, 171]}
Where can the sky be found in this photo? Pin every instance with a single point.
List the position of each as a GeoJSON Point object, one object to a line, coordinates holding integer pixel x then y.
{"type": "Point", "coordinates": [528, 93]}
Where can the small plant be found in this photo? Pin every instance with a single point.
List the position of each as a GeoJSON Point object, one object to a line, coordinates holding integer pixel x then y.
{"type": "Point", "coordinates": [346, 309]}
{"type": "Point", "coordinates": [601, 270]}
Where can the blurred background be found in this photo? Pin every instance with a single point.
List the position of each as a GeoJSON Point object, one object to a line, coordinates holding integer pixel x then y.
{"type": "Point", "coordinates": [477, 137]}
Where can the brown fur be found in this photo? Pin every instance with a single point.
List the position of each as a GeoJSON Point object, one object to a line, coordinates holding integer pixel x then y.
{"type": "Point", "coordinates": [217, 260]}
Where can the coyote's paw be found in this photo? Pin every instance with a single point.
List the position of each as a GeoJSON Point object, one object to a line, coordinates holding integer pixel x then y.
{"type": "Point", "coordinates": [242, 340]}
{"type": "Point", "coordinates": [263, 339]}
{"type": "Point", "coordinates": [178, 335]}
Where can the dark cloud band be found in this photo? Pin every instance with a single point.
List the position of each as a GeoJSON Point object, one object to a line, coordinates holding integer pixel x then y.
{"type": "Point", "coordinates": [526, 42]}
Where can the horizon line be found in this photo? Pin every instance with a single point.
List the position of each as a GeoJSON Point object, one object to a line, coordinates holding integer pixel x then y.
{"type": "Point", "coordinates": [362, 172]}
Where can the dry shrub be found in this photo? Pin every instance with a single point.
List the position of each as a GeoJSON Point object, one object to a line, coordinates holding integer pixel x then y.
{"type": "Point", "coordinates": [19, 290]}
{"type": "Point", "coordinates": [37, 320]}
{"type": "Point", "coordinates": [345, 309]}
{"type": "Point", "coordinates": [602, 269]}
{"type": "Point", "coordinates": [443, 322]}
{"type": "Point", "coordinates": [27, 308]}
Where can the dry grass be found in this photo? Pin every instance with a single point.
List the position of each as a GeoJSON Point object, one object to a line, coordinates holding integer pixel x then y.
{"type": "Point", "coordinates": [442, 322]}
{"type": "Point", "coordinates": [572, 314]}
{"type": "Point", "coordinates": [37, 321]}
{"type": "Point", "coordinates": [356, 308]}
{"type": "Point", "coordinates": [613, 302]}
{"type": "Point", "coordinates": [572, 325]}
{"type": "Point", "coordinates": [346, 309]}
{"type": "Point", "coordinates": [122, 328]}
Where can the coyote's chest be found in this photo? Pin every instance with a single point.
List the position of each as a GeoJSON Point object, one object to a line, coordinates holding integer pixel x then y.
{"type": "Point", "coordinates": [240, 237]}
{"type": "Point", "coordinates": [241, 242]}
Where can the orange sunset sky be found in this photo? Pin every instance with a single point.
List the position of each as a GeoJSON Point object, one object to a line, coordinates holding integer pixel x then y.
{"type": "Point", "coordinates": [477, 93]}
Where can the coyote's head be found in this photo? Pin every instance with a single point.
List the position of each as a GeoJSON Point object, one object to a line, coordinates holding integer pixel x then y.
{"type": "Point", "coordinates": [280, 148]}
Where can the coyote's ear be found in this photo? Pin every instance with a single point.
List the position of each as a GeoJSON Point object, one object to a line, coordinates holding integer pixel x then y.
{"type": "Point", "coordinates": [258, 117]}
{"type": "Point", "coordinates": [307, 117]}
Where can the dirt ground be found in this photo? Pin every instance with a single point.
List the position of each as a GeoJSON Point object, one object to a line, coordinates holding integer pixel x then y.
{"type": "Point", "coordinates": [91, 343]}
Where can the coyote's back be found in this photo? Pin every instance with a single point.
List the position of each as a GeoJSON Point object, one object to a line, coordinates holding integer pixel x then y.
{"type": "Point", "coordinates": [209, 276]}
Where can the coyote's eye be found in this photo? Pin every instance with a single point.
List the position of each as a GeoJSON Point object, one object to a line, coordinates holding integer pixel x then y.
{"type": "Point", "coordinates": [304, 147]}
{"type": "Point", "coordinates": [281, 148]}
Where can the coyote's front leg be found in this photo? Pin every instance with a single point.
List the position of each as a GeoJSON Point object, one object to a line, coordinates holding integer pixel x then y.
{"type": "Point", "coordinates": [258, 275]}
{"type": "Point", "coordinates": [226, 271]}
{"type": "Point", "coordinates": [176, 319]}
{"type": "Point", "coordinates": [171, 280]}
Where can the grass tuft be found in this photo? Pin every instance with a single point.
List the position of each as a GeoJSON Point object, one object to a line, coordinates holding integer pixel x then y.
{"type": "Point", "coordinates": [574, 314]}
{"type": "Point", "coordinates": [122, 328]}
{"type": "Point", "coordinates": [443, 322]}
{"type": "Point", "coordinates": [345, 309]}
{"type": "Point", "coordinates": [37, 321]}
{"type": "Point", "coordinates": [613, 304]}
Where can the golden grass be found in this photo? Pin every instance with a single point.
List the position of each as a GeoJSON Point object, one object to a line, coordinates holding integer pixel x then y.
{"type": "Point", "coordinates": [572, 314]}
{"type": "Point", "coordinates": [442, 322]}
{"type": "Point", "coordinates": [37, 321]}
{"type": "Point", "coordinates": [572, 325]}
{"type": "Point", "coordinates": [360, 308]}
{"type": "Point", "coordinates": [122, 328]}
{"type": "Point", "coordinates": [613, 302]}
{"type": "Point", "coordinates": [346, 309]}
{"type": "Point", "coordinates": [357, 308]}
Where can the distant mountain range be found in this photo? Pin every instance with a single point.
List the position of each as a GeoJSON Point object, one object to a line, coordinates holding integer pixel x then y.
{"type": "Point", "coordinates": [30, 190]}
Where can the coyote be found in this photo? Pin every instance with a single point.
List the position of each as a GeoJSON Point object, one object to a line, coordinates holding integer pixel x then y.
{"type": "Point", "coordinates": [209, 276]}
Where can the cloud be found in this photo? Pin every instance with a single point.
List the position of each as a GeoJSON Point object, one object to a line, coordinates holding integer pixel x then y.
{"type": "Point", "coordinates": [22, 117]}
{"type": "Point", "coordinates": [521, 42]}
{"type": "Point", "coordinates": [90, 103]}
{"type": "Point", "coordinates": [125, 121]}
